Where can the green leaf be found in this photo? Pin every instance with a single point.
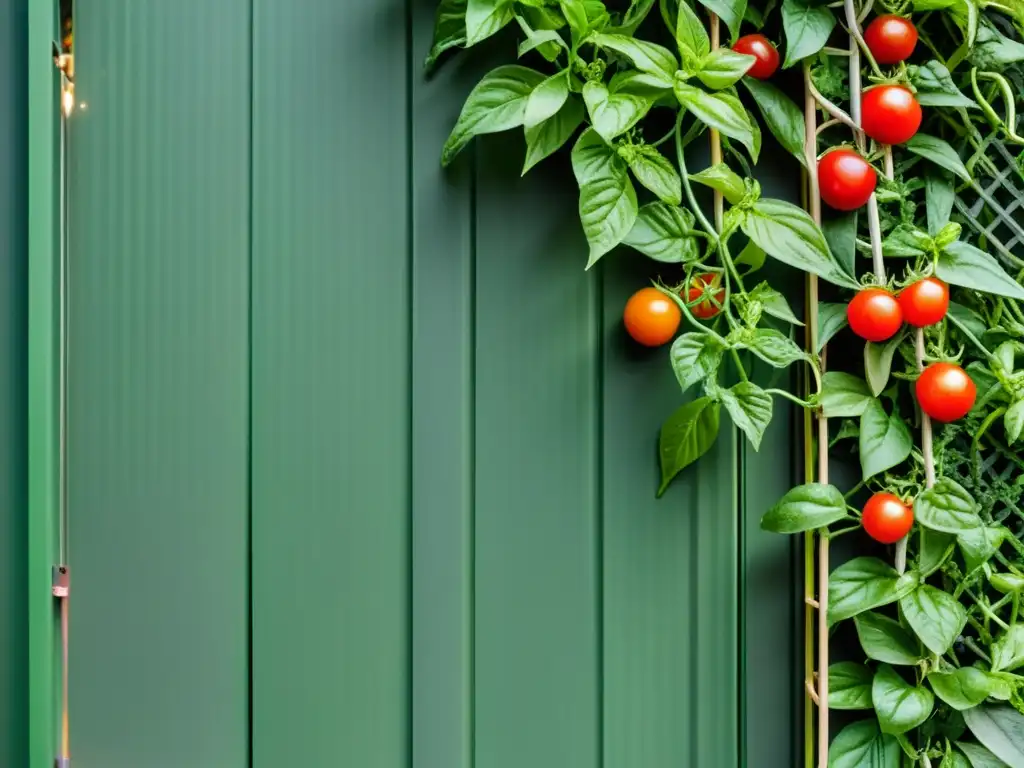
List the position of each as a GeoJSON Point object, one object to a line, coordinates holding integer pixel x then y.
{"type": "Point", "coordinates": [752, 257]}
{"type": "Point", "coordinates": [878, 362]}
{"type": "Point", "coordinates": [449, 31]}
{"type": "Point", "coordinates": [688, 434]}
{"type": "Point", "coordinates": [970, 319]}
{"type": "Point", "coordinates": [805, 508]}
{"type": "Point", "coordinates": [649, 58]}
{"type": "Point", "coordinates": [886, 640]}
{"type": "Point", "coordinates": [1000, 729]}
{"type": "Point", "coordinates": [774, 348]}
{"type": "Point", "coordinates": [899, 705]}
{"type": "Point", "coordinates": [1013, 421]}
{"type": "Point", "coordinates": [656, 173]}
{"type": "Point", "coordinates": [954, 759]}
{"type": "Point", "coordinates": [750, 408]}
{"type": "Point", "coordinates": [862, 584]}
{"type": "Point", "coordinates": [844, 395]}
{"type": "Point", "coordinates": [994, 52]}
{"type": "Point", "coordinates": [612, 114]}
{"type": "Point", "coordinates": [498, 103]}
{"type": "Point", "coordinates": [781, 114]}
{"type": "Point", "coordinates": [964, 265]}
{"type": "Point", "coordinates": [729, 11]}
{"type": "Point", "coordinates": [906, 241]}
{"type": "Point", "coordinates": [849, 686]}
{"type": "Point", "coordinates": [841, 235]}
{"type": "Point", "coordinates": [979, 545]}
{"type": "Point", "coordinates": [721, 177]}
{"type": "Point", "coordinates": [789, 234]}
{"type": "Point", "coordinates": [546, 100]}
{"type": "Point", "coordinates": [885, 440]}
{"type": "Point", "coordinates": [935, 616]}
{"type": "Point", "coordinates": [774, 303]}
{"type": "Point", "coordinates": [608, 206]}
{"type": "Point", "coordinates": [576, 14]}
{"type": "Point", "coordinates": [935, 549]}
{"type": "Point", "coordinates": [934, 86]}
{"type": "Point", "coordinates": [807, 27]}
{"type": "Point", "coordinates": [939, 195]}
{"type": "Point", "coordinates": [691, 36]}
{"type": "Point", "coordinates": [723, 67]}
{"type": "Point", "coordinates": [831, 320]}
{"type": "Point", "coordinates": [1008, 649]}
{"type": "Point", "coordinates": [694, 357]}
{"type": "Point", "coordinates": [551, 135]}
{"type": "Point", "coordinates": [634, 16]}
{"type": "Point", "coordinates": [939, 152]}
{"type": "Point", "coordinates": [966, 687]}
{"type": "Point", "coordinates": [978, 757]}
{"type": "Point", "coordinates": [947, 507]}
{"type": "Point", "coordinates": [665, 233]}
{"type": "Point", "coordinates": [721, 111]}
{"type": "Point", "coordinates": [862, 745]}
{"type": "Point", "coordinates": [486, 17]}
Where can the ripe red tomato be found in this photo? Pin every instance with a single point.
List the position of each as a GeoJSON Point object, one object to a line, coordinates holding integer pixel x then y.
{"type": "Point", "coordinates": [891, 39]}
{"type": "Point", "coordinates": [924, 302]}
{"type": "Point", "coordinates": [706, 309]}
{"type": "Point", "coordinates": [886, 519]}
{"type": "Point", "coordinates": [845, 179]}
{"type": "Point", "coordinates": [945, 391]}
{"type": "Point", "coordinates": [874, 314]}
{"type": "Point", "coordinates": [765, 55]}
{"type": "Point", "coordinates": [890, 114]}
{"type": "Point", "coordinates": [651, 317]}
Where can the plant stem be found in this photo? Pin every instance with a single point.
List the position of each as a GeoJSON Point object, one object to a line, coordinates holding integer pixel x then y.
{"type": "Point", "coordinates": [686, 182]}
{"type": "Point", "coordinates": [739, 364]}
{"type": "Point", "coordinates": [788, 396]}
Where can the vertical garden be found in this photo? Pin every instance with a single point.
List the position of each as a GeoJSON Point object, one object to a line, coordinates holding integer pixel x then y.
{"type": "Point", "coordinates": [903, 118]}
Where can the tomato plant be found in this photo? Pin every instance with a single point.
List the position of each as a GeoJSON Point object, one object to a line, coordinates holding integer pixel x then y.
{"type": "Point", "coordinates": [924, 302]}
{"type": "Point", "coordinates": [846, 179]}
{"type": "Point", "coordinates": [886, 519]}
{"type": "Point", "coordinates": [625, 89]}
{"type": "Point", "coordinates": [651, 318]}
{"type": "Point", "coordinates": [945, 391]}
{"type": "Point", "coordinates": [891, 114]}
{"type": "Point", "coordinates": [891, 39]}
{"type": "Point", "coordinates": [874, 314]}
{"type": "Point", "coordinates": [766, 55]}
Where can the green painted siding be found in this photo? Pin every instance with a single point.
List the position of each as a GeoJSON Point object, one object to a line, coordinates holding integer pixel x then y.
{"type": "Point", "coordinates": [13, 383]}
{"type": "Point", "coordinates": [363, 466]}
{"type": "Point", "coordinates": [159, 204]}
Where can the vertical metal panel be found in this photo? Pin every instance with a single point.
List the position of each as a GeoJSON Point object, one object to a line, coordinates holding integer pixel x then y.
{"type": "Point", "coordinates": [537, 458]}
{"type": "Point", "coordinates": [13, 380]}
{"type": "Point", "coordinates": [42, 367]}
{"type": "Point", "coordinates": [443, 354]}
{"type": "Point", "coordinates": [159, 385]}
{"type": "Point", "coordinates": [331, 391]}
{"type": "Point", "coordinates": [670, 571]}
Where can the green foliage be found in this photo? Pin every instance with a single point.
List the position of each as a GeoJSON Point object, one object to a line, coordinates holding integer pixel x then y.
{"type": "Point", "coordinates": [629, 89]}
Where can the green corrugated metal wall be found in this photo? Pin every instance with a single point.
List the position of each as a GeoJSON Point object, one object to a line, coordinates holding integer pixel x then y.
{"type": "Point", "coordinates": [362, 466]}
{"type": "Point", "coordinates": [13, 384]}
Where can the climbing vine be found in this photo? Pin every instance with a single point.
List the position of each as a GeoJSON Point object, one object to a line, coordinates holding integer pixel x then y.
{"type": "Point", "coordinates": [906, 128]}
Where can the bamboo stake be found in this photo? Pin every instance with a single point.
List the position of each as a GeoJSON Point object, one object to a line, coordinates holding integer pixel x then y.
{"type": "Point", "coordinates": [814, 207]}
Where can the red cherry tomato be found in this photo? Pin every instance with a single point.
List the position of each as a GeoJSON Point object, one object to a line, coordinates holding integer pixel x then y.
{"type": "Point", "coordinates": [845, 179]}
{"type": "Point", "coordinates": [924, 302]}
{"type": "Point", "coordinates": [945, 391]}
{"type": "Point", "coordinates": [891, 39]}
{"type": "Point", "coordinates": [886, 519]}
{"type": "Point", "coordinates": [874, 314]}
{"type": "Point", "coordinates": [890, 114]}
{"type": "Point", "coordinates": [706, 309]}
{"type": "Point", "coordinates": [765, 55]}
{"type": "Point", "coordinates": [651, 317]}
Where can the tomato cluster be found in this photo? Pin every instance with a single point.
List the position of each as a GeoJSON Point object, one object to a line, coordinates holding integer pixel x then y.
{"type": "Point", "coordinates": [875, 314]}
{"type": "Point", "coordinates": [652, 318]}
